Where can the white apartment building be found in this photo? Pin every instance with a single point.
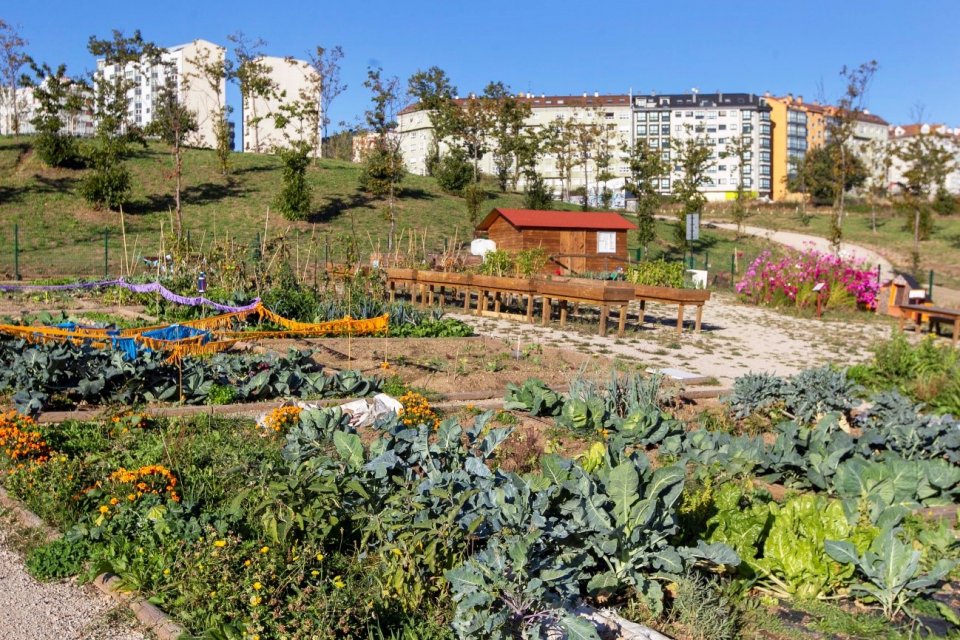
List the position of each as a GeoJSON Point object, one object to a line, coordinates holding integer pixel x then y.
{"type": "Point", "coordinates": [947, 137]}
{"type": "Point", "coordinates": [195, 92]}
{"type": "Point", "coordinates": [715, 119]}
{"type": "Point", "coordinates": [293, 80]}
{"type": "Point", "coordinates": [610, 111]}
{"type": "Point", "coordinates": [79, 124]}
{"type": "Point", "coordinates": [657, 120]}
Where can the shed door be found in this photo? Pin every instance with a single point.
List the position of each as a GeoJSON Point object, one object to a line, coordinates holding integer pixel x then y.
{"type": "Point", "coordinates": [574, 245]}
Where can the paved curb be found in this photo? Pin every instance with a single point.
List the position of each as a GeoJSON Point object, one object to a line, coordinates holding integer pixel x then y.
{"type": "Point", "coordinates": [149, 615]}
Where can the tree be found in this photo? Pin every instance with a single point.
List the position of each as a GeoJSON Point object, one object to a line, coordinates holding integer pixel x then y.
{"type": "Point", "coordinates": [108, 184]}
{"type": "Point", "coordinates": [694, 156]}
{"type": "Point", "coordinates": [453, 171]}
{"type": "Point", "coordinates": [926, 165]}
{"type": "Point", "coordinates": [559, 141]}
{"type": "Point", "coordinates": [602, 159]}
{"type": "Point", "coordinates": [293, 119]}
{"type": "Point", "coordinates": [214, 70]}
{"type": "Point", "coordinates": [253, 79]}
{"type": "Point", "coordinates": [738, 148]}
{"type": "Point", "coordinates": [536, 195]}
{"type": "Point", "coordinates": [173, 123]}
{"type": "Point", "coordinates": [470, 127]}
{"type": "Point", "coordinates": [383, 167]}
{"type": "Point", "coordinates": [841, 128]}
{"type": "Point", "coordinates": [12, 59]}
{"type": "Point", "coordinates": [56, 95]}
{"type": "Point", "coordinates": [820, 170]}
{"type": "Point", "coordinates": [585, 140]}
{"type": "Point", "coordinates": [508, 117]}
{"type": "Point", "coordinates": [646, 167]}
{"type": "Point", "coordinates": [325, 85]}
{"type": "Point", "coordinates": [435, 93]}
{"type": "Point", "coordinates": [877, 162]}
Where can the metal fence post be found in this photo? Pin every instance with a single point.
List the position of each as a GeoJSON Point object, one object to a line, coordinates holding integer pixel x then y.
{"type": "Point", "coordinates": [930, 286]}
{"type": "Point", "coordinates": [16, 251]}
{"type": "Point", "coordinates": [733, 264]}
{"type": "Point", "coordinates": [106, 253]}
{"type": "Point", "coordinates": [706, 260]}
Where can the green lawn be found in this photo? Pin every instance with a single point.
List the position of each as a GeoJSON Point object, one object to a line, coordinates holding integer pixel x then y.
{"type": "Point", "coordinates": [61, 235]}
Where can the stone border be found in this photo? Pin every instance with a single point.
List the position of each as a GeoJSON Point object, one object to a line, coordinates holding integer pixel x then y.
{"type": "Point", "coordinates": [153, 619]}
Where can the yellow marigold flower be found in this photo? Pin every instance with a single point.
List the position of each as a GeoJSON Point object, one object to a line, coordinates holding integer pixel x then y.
{"type": "Point", "coordinates": [257, 586]}
{"type": "Point", "coordinates": [213, 594]}
{"type": "Point", "coordinates": [220, 543]}
{"type": "Point", "coordinates": [319, 557]}
{"type": "Point", "coordinates": [104, 509]}
{"type": "Point", "coordinates": [255, 600]}
{"type": "Point", "coordinates": [314, 573]}
{"type": "Point", "coordinates": [114, 501]}
{"type": "Point", "coordinates": [131, 497]}
{"type": "Point", "coordinates": [396, 552]}
{"type": "Point", "coordinates": [166, 572]}
{"type": "Point", "coordinates": [338, 582]}
{"type": "Point", "coordinates": [246, 563]}
{"type": "Point", "coordinates": [264, 549]}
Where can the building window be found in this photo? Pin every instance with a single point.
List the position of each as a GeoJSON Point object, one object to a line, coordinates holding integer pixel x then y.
{"type": "Point", "coordinates": [765, 183]}
{"type": "Point", "coordinates": [764, 156]}
{"type": "Point", "coordinates": [665, 184]}
{"type": "Point", "coordinates": [746, 115]}
{"type": "Point", "coordinates": [606, 241]}
{"type": "Point", "coordinates": [665, 129]}
{"type": "Point", "coordinates": [747, 128]}
{"type": "Point", "coordinates": [641, 129]}
{"type": "Point", "coordinates": [665, 116]}
{"type": "Point", "coordinates": [747, 182]}
{"type": "Point", "coordinates": [665, 155]}
{"type": "Point", "coordinates": [652, 116]}
{"type": "Point", "coordinates": [722, 127]}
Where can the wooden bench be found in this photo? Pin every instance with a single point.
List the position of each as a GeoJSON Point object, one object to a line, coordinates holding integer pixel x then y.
{"type": "Point", "coordinates": [933, 314]}
{"type": "Point", "coordinates": [668, 295]}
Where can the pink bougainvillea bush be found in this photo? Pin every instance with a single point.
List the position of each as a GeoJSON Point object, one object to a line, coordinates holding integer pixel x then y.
{"type": "Point", "coordinates": [789, 281]}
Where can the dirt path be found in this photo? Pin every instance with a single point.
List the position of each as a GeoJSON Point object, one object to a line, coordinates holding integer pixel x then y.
{"type": "Point", "coordinates": [736, 339]}
{"type": "Point", "coordinates": [31, 610]}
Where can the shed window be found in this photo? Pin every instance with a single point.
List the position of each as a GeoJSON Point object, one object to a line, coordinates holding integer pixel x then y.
{"type": "Point", "coordinates": [606, 242]}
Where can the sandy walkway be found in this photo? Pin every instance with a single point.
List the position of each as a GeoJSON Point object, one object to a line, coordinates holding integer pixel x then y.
{"type": "Point", "coordinates": [31, 610]}
{"type": "Point", "coordinates": [736, 339]}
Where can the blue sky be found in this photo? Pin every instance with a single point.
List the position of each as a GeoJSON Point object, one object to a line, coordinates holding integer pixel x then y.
{"type": "Point", "coordinates": [560, 47]}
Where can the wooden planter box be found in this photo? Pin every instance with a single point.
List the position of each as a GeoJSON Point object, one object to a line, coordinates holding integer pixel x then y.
{"type": "Point", "coordinates": [395, 273]}
{"type": "Point", "coordinates": [451, 278]}
{"type": "Point", "coordinates": [669, 294]}
{"type": "Point", "coordinates": [493, 283]}
{"type": "Point", "coordinates": [582, 289]}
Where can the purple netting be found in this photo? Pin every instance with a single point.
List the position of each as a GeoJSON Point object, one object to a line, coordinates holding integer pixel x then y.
{"type": "Point", "coordinates": [153, 287]}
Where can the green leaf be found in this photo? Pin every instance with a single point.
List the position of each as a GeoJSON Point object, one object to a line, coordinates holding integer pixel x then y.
{"type": "Point", "coordinates": [622, 487]}
{"type": "Point", "coordinates": [578, 628]}
{"type": "Point", "coordinates": [841, 551]}
{"type": "Point", "coordinates": [350, 448]}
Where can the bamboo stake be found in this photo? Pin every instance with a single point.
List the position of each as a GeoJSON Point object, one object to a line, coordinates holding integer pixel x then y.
{"type": "Point", "coordinates": [123, 232]}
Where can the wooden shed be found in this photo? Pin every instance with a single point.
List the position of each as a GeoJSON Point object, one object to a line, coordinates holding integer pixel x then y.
{"type": "Point", "coordinates": [576, 241]}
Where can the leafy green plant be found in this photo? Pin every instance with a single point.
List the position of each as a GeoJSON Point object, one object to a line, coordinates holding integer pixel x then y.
{"type": "Point", "coordinates": [61, 558]}
{"type": "Point", "coordinates": [657, 273]}
{"type": "Point", "coordinates": [891, 571]}
{"type": "Point", "coordinates": [221, 394]}
{"type": "Point", "coordinates": [534, 397]}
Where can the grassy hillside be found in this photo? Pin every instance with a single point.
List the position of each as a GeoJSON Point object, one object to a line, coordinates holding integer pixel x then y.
{"type": "Point", "coordinates": [60, 234]}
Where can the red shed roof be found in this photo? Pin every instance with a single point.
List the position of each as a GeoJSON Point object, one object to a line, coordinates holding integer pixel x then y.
{"type": "Point", "coordinates": [533, 219]}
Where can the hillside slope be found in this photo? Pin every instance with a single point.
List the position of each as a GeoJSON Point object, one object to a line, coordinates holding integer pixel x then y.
{"type": "Point", "coordinates": [60, 233]}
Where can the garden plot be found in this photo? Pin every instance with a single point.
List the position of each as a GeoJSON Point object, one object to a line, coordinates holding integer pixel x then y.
{"type": "Point", "coordinates": [451, 366]}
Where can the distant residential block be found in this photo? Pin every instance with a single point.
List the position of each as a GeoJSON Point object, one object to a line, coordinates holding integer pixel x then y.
{"type": "Point", "coordinates": [293, 80]}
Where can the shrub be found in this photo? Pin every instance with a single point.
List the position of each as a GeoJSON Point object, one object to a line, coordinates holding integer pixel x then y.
{"type": "Point", "coordinates": [294, 198]}
{"type": "Point", "coordinates": [59, 559]}
{"type": "Point", "coordinates": [106, 186]}
{"type": "Point", "coordinates": [453, 172]}
{"type": "Point", "coordinates": [789, 281]}
{"type": "Point", "coordinates": [536, 194]}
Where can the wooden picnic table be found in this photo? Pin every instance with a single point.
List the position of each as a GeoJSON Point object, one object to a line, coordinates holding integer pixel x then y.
{"type": "Point", "coordinates": [938, 314]}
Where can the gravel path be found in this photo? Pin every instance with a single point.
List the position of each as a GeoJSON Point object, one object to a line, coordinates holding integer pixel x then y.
{"type": "Point", "coordinates": [736, 339]}
{"type": "Point", "coordinates": [31, 610]}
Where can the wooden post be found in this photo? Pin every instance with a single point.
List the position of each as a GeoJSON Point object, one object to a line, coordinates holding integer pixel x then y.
{"type": "Point", "coordinates": [604, 313]}
{"type": "Point", "coordinates": [496, 303]}
{"type": "Point", "coordinates": [563, 312]}
{"type": "Point", "coordinates": [467, 294]}
{"type": "Point", "coordinates": [623, 320]}
{"type": "Point", "coordinates": [641, 316]}
{"type": "Point", "coordinates": [699, 316]}
{"type": "Point", "coordinates": [530, 308]}
{"type": "Point", "coordinates": [546, 310]}
{"type": "Point", "coordinates": [680, 319]}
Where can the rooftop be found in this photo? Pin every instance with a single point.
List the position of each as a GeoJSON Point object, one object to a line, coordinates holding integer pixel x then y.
{"type": "Point", "coordinates": [533, 219]}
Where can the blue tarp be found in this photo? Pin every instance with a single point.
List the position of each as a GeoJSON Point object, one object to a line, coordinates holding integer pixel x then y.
{"type": "Point", "coordinates": [177, 332]}
{"type": "Point", "coordinates": [127, 345]}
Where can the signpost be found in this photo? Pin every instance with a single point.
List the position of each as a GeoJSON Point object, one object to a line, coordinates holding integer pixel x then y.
{"type": "Point", "coordinates": [693, 232]}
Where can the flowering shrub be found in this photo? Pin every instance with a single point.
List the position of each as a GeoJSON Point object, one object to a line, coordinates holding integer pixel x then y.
{"type": "Point", "coordinates": [126, 420]}
{"type": "Point", "coordinates": [416, 410]}
{"type": "Point", "coordinates": [282, 418]}
{"type": "Point", "coordinates": [132, 484]}
{"type": "Point", "coordinates": [19, 439]}
{"type": "Point", "coordinates": [790, 280]}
